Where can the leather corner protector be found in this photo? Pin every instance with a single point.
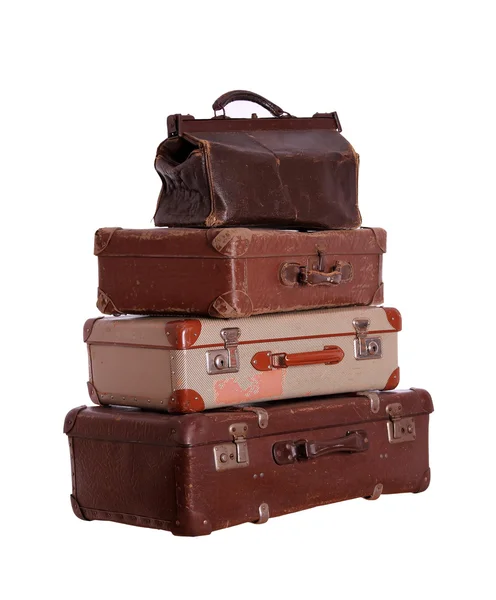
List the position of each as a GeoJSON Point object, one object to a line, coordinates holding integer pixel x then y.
{"type": "Point", "coordinates": [380, 237]}
{"type": "Point", "coordinates": [378, 297]}
{"type": "Point", "coordinates": [77, 509]}
{"type": "Point", "coordinates": [393, 380]}
{"type": "Point", "coordinates": [185, 401]}
{"type": "Point", "coordinates": [183, 334]}
{"type": "Point", "coordinates": [231, 305]}
{"type": "Point", "coordinates": [394, 317]}
{"type": "Point", "coordinates": [105, 304]}
{"type": "Point", "coordinates": [232, 242]}
{"type": "Point", "coordinates": [424, 482]}
{"type": "Point", "coordinates": [88, 327]}
{"type": "Point", "coordinates": [102, 238]}
{"type": "Point", "coordinates": [191, 523]}
{"type": "Point", "coordinates": [71, 417]}
{"type": "Point", "coordinates": [93, 393]}
{"type": "Point", "coordinates": [426, 399]}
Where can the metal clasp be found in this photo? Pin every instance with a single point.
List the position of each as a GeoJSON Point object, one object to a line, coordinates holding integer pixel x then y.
{"type": "Point", "coordinates": [400, 428]}
{"type": "Point", "coordinates": [225, 361]}
{"type": "Point", "coordinates": [366, 347]}
{"type": "Point", "coordinates": [233, 455]}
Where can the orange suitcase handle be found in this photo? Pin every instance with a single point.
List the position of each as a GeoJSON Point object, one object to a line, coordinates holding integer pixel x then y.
{"type": "Point", "coordinates": [266, 361]}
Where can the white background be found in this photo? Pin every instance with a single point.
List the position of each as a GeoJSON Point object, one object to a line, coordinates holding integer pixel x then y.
{"type": "Point", "coordinates": [85, 91]}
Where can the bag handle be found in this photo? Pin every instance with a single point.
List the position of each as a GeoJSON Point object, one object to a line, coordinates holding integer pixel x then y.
{"type": "Point", "coordinates": [234, 95]}
{"type": "Point", "coordinates": [288, 452]}
{"type": "Point", "coordinates": [266, 361]}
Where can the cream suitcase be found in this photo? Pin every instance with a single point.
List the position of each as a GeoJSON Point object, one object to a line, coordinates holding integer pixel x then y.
{"type": "Point", "coordinates": [189, 365]}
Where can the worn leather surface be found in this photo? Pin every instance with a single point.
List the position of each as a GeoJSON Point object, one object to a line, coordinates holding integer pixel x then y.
{"type": "Point", "coordinates": [279, 172]}
{"type": "Point", "coordinates": [158, 470]}
{"type": "Point", "coordinates": [234, 272]}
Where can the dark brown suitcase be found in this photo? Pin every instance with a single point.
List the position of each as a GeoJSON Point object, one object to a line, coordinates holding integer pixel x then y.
{"type": "Point", "coordinates": [193, 474]}
{"type": "Point", "coordinates": [294, 173]}
{"type": "Point", "coordinates": [236, 272]}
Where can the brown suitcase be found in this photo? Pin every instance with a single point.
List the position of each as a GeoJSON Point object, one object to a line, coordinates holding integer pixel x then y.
{"type": "Point", "coordinates": [193, 474]}
{"type": "Point", "coordinates": [294, 173]}
{"type": "Point", "coordinates": [231, 273]}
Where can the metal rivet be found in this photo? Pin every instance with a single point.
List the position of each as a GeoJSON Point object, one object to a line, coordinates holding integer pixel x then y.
{"type": "Point", "coordinates": [255, 476]}
{"type": "Point", "coordinates": [231, 456]}
{"type": "Point", "coordinates": [111, 397]}
{"type": "Point", "coordinates": [255, 362]}
{"type": "Point", "coordinates": [178, 523]}
{"type": "Point", "coordinates": [173, 431]}
{"type": "Point", "coordinates": [196, 397]}
{"type": "Point", "coordinates": [261, 474]}
{"type": "Point", "coordinates": [410, 429]}
{"type": "Point", "coordinates": [380, 455]}
{"type": "Point", "coordinates": [205, 521]}
{"type": "Point", "coordinates": [385, 455]}
{"type": "Point", "coordinates": [366, 440]}
{"type": "Point", "coordinates": [148, 400]}
{"type": "Point", "coordinates": [166, 333]}
{"type": "Point", "coordinates": [223, 458]}
{"type": "Point", "coordinates": [289, 457]}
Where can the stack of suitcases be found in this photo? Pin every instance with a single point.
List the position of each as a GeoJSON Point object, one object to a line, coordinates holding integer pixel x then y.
{"type": "Point", "coordinates": [247, 368]}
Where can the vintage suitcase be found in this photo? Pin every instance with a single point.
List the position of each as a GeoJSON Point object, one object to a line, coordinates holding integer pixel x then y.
{"type": "Point", "coordinates": [188, 365]}
{"type": "Point", "coordinates": [294, 173]}
{"type": "Point", "coordinates": [236, 272]}
{"type": "Point", "coordinates": [193, 474]}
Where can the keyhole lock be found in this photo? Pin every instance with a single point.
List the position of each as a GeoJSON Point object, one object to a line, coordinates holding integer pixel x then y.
{"type": "Point", "coordinates": [372, 347]}
{"type": "Point", "coordinates": [220, 362]}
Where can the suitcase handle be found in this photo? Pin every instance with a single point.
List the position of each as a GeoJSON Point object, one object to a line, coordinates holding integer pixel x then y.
{"type": "Point", "coordinates": [288, 452]}
{"type": "Point", "coordinates": [228, 97]}
{"type": "Point", "coordinates": [294, 274]}
{"type": "Point", "coordinates": [266, 361]}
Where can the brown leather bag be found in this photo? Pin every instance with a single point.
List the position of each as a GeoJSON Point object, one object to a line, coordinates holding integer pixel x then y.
{"type": "Point", "coordinates": [280, 172]}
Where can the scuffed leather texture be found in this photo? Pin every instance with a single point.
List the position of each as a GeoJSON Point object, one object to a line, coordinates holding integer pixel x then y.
{"type": "Point", "coordinates": [234, 272]}
{"type": "Point", "coordinates": [281, 173]}
{"type": "Point", "coordinates": [158, 470]}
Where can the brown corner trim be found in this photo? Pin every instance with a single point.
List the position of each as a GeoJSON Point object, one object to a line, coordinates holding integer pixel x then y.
{"type": "Point", "coordinates": [232, 242]}
{"type": "Point", "coordinates": [231, 305]}
{"type": "Point", "coordinates": [88, 327]}
{"type": "Point", "coordinates": [102, 238]}
{"type": "Point", "coordinates": [393, 380]}
{"type": "Point", "coordinates": [106, 305]}
{"type": "Point", "coordinates": [71, 417]}
{"type": "Point", "coordinates": [378, 297]}
{"type": "Point", "coordinates": [424, 482]}
{"type": "Point", "coordinates": [93, 393]}
{"type": "Point", "coordinates": [186, 401]}
{"type": "Point", "coordinates": [183, 334]}
{"type": "Point", "coordinates": [394, 317]}
{"type": "Point", "coordinates": [77, 509]}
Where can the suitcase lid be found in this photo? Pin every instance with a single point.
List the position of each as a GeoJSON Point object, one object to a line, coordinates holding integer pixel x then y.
{"type": "Point", "coordinates": [236, 242]}
{"type": "Point", "coordinates": [134, 425]}
{"type": "Point", "coordinates": [197, 333]}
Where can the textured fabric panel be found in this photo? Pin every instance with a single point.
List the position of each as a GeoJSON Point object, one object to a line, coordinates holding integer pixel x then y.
{"type": "Point", "coordinates": [249, 385]}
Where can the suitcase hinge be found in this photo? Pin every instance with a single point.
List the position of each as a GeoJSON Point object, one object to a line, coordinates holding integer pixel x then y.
{"type": "Point", "coordinates": [366, 347]}
{"type": "Point", "coordinates": [230, 456]}
{"type": "Point", "coordinates": [227, 360]}
{"type": "Point", "coordinates": [400, 428]}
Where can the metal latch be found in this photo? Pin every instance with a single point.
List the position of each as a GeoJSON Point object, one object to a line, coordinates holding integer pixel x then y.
{"type": "Point", "coordinates": [227, 360]}
{"type": "Point", "coordinates": [233, 455]}
{"type": "Point", "coordinates": [366, 347]}
{"type": "Point", "coordinates": [400, 428]}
